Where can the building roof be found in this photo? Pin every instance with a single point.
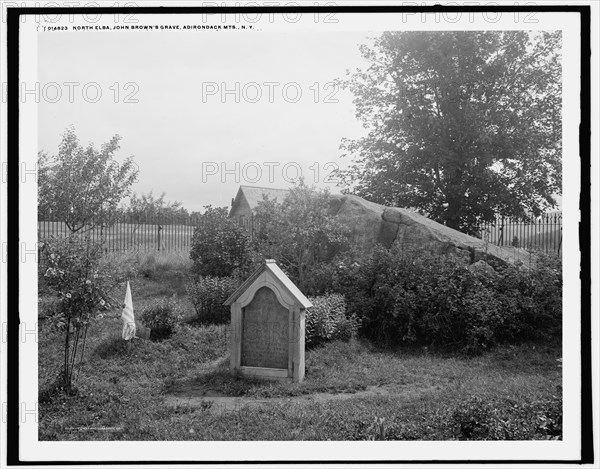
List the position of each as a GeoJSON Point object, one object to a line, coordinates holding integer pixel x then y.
{"type": "Point", "coordinates": [255, 194]}
{"type": "Point", "coordinates": [273, 268]}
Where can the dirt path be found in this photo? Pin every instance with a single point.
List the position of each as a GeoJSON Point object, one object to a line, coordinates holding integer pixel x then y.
{"type": "Point", "coordinates": [210, 400]}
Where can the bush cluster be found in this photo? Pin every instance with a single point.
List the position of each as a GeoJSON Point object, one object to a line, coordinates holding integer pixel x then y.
{"type": "Point", "coordinates": [420, 296]}
{"type": "Point", "coordinates": [207, 294]}
{"type": "Point", "coordinates": [327, 320]}
{"type": "Point", "coordinates": [478, 419]}
{"type": "Point", "coordinates": [219, 245]}
{"type": "Point", "coordinates": [301, 235]}
{"type": "Point", "coordinates": [475, 418]}
{"type": "Point", "coordinates": [534, 298]}
{"type": "Point", "coordinates": [439, 302]}
{"type": "Point", "coordinates": [162, 317]}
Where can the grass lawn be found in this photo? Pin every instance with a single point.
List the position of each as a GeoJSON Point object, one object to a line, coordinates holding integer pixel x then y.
{"type": "Point", "coordinates": [128, 388]}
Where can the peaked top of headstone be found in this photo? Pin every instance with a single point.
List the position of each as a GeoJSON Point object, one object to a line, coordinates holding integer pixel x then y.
{"type": "Point", "coordinates": [271, 266]}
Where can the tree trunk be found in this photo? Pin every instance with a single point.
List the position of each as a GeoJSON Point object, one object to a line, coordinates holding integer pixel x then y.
{"type": "Point", "coordinates": [66, 364]}
{"type": "Point", "coordinates": [452, 216]}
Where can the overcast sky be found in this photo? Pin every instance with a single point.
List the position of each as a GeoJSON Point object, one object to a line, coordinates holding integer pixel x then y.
{"type": "Point", "coordinates": [180, 131]}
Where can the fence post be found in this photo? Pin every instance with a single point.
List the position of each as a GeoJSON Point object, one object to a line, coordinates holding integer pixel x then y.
{"type": "Point", "coordinates": [158, 235]}
{"type": "Point", "coordinates": [560, 241]}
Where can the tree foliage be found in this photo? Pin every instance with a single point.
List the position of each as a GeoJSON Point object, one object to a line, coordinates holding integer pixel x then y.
{"type": "Point", "coordinates": [70, 269]}
{"type": "Point", "coordinates": [148, 207]}
{"type": "Point", "coordinates": [82, 187]}
{"type": "Point", "coordinates": [300, 233]}
{"type": "Point", "coordinates": [219, 244]}
{"type": "Point", "coordinates": [462, 125]}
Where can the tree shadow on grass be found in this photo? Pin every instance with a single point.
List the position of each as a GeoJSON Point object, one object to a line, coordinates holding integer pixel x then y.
{"type": "Point", "coordinates": [219, 382]}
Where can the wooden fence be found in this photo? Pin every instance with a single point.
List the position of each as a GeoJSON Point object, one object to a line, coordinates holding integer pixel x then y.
{"type": "Point", "coordinates": [175, 233]}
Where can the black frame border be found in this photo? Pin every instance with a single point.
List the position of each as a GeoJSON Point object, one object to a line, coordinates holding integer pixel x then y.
{"type": "Point", "coordinates": [13, 321]}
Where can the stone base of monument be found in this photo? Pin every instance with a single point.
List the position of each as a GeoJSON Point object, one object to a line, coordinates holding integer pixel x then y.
{"type": "Point", "coordinates": [263, 373]}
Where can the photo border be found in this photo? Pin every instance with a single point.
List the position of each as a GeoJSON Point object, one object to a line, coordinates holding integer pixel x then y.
{"type": "Point", "coordinates": [13, 26]}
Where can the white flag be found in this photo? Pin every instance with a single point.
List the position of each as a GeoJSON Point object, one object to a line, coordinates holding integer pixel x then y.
{"type": "Point", "coordinates": [127, 316]}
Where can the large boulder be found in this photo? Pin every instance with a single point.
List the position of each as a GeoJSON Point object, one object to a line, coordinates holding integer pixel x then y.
{"type": "Point", "coordinates": [370, 223]}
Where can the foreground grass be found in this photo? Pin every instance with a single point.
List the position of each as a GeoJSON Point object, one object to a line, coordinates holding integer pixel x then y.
{"type": "Point", "coordinates": [122, 388]}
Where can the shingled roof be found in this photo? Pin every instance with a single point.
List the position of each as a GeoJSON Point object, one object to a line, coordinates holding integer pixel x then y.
{"type": "Point", "coordinates": [255, 194]}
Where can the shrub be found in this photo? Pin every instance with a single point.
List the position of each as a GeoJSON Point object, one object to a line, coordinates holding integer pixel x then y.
{"type": "Point", "coordinates": [301, 235]}
{"type": "Point", "coordinates": [208, 294]}
{"type": "Point", "coordinates": [219, 245]}
{"type": "Point", "coordinates": [326, 320]}
{"type": "Point", "coordinates": [535, 295]}
{"type": "Point", "coordinates": [70, 269]}
{"type": "Point", "coordinates": [437, 301]}
{"type": "Point", "coordinates": [505, 419]}
{"type": "Point", "coordinates": [162, 317]}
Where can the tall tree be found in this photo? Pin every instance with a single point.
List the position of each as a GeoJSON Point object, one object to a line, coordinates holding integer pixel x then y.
{"type": "Point", "coordinates": [462, 125]}
{"type": "Point", "coordinates": [82, 187]}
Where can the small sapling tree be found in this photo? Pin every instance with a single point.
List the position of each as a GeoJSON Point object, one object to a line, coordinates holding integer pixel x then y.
{"type": "Point", "coordinates": [70, 269]}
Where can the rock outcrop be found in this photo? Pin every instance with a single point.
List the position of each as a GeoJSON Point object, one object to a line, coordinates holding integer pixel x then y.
{"type": "Point", "coordinates": [483, 268]}
{"type": "Point", "coordinates": [372, 223]}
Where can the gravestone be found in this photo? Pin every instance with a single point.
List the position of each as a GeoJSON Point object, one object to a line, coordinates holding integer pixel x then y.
{"type": "Point", "coordinates": [267, 326]}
